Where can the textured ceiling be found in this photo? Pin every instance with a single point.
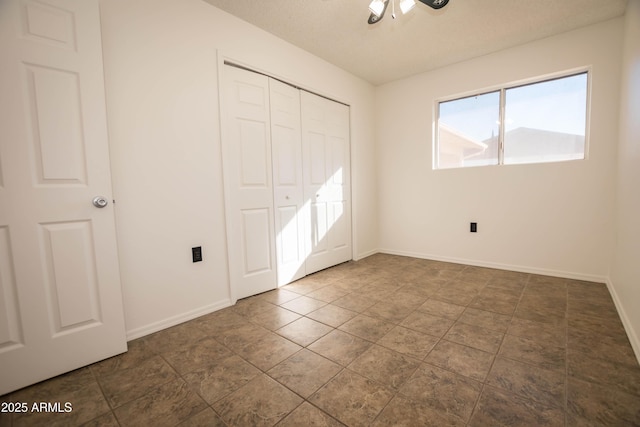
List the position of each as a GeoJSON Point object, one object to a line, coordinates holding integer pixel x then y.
{"type": "Point", "coordinates": [424, 39]}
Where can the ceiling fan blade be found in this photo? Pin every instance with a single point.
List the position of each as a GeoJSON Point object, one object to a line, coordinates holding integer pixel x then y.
{"type": "Point", "coordinates": [373, 18]}
{"type": "Point", "coordinates": [436, 4]}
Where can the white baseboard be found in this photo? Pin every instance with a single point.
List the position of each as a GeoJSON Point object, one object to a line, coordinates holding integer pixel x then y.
{"type": "Point", "coordinates": [358, 257]}
{"type": "Point", "coordinates": [499, 266]}
{"type": "Point", "coordinates": [634, 339]}
{"type": "Point", "coordinates": [176, 320]}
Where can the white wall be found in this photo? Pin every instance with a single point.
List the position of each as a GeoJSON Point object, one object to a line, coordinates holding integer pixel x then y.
{"type": "Point", "coordinates": [548, 218]}
{"type": "Point", "coordinates": [162, 105]}
{"type": "Point", "coordinates": [625, 272]}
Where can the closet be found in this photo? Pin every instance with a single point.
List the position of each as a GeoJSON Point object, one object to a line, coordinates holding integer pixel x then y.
{"type": "Point", "coordinates": [286, 156]}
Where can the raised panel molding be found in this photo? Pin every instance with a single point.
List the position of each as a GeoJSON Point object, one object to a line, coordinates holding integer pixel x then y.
{"type": "Point", "coordinates": [1, 174]}
{"type": "Point", "coordinates": [289, 249]}
{"type": "Point", "coordinates": [256, 240]}
{"type": "Point", "coordinates": [339, 225]}
{"type": "Point", "coordinates": [283, 147]}
{"type": "Point", "coordinates": [251, 95]}
{"type": "Point", "coordinates": [46, 23]}
{"type": "Point", "coordinates": [71, 277]}
{"type": "Point", "coordinates": [10, 325]}
{"type": "Point", "coordinates": [253, 154]}
{"type": "Point", "coordinates": [57, 133]}
{"type": "Point", "coordinates": [317, 159]}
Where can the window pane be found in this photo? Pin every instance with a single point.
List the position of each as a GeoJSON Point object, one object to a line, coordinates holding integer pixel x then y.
{"type": "Point", "coordinates": [546, 122]}
{"type": "Point", "coordinates": [468, 131]}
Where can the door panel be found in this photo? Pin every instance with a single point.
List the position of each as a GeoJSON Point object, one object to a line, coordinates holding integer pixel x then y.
{"type": "Point", "coordinates": [254, 144]}
{"type": "Point", "coordinates": [246, 155]}
{"type": "Point", "coordinates": [58, 147]}
{"type": "Point", "coordinates": [60, 278]}
{"type": "Point", "coordinates": [287, 185]}
{"type": "Point", "coordinates": [257, 241]}
{"type": "Point", "coordinates": [10, 321]}
{"type": "Point", "coordinates": [325, 147]}
{"type": "Point", "coordinates": [70, 274]}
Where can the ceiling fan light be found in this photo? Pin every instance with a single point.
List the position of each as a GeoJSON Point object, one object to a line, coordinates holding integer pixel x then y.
{"type": "Point", "coordinates": [377, 7]}
{"type": "Point", "coordinates": [407, 5]}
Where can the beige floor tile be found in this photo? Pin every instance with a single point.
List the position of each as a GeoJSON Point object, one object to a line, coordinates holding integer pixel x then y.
{"type": "Point", "coordinates": [86, 403]}
{"type": "Point", "coordinates": [340, 347]}
{"type": "Point", "coordinates": [555, 334]}
{"type": "Point", "coordinates": [303, 305]}
{"type": "Point", "coordinates": [540, 385]}
{"type": "Point", "coordinates": [590, 404]}
{"type": "Point", "coordinates": [205, 418]}
{"type": "Point", "coordinates": [352, 398]}
{"type": "Point", "coordinates": [167, 405]}
{"type": "Point", "coordinates": [274, 318]}
{"type": "Point", "coordinates": [544, 355]}
{"type": "Point", "coordinates": [137, 352]}
{"type": "Point", "coordinates": [304, 331]}
{"type": "Point", "coordinates": [427, 323]}
{"type": "Point", "coordinates": [278, 296]}
{"type": "Point", "coordinates": [499, 408]}
{"type": "Point", "coordinates": [461, 359]}
{"type": "Point", "coordinates": [442, 390]}
{"type": "Point", "coordinates": [174, 338]}
{"type": "Point", "coordinates": [486, 319]}
{"type": "Point", "coordinates": [304, 372]}
{"type": "Point", "coordinates": [308, 415]}
{"type": "Point", "coordinates": [475, 336]}
{"type": "Point", "coordinates": [385, 366]}
{"type": "Point", "coordinates": [353, 302]}
{"type": "Point", "coordinates": [261, 402]}
{"type": "Point", "coordinates": [332, 315]}
{"type": "Point", "coordinates": [202, 354]}
{"type": "Point", "coordinates": [409, 342]}
{"type": "Point", "coordinates": [404, 412]}
{"type": "Point", "coordinates": [442, 309]}
{"type": "Point", "coordinates": [366, 327]}
{"type": "Point", "coordinates": [393, 312]}
{"type": "Point", "coordinates": [126, 385]}
{"type": "Point", "coordinates": [268, 350]}
{"type": "Point", "coordinates": [606, 372]}
{"type": "Point", "coordinates": [328, 293]}
{"type": "Point", "coordinates": [224, 377]}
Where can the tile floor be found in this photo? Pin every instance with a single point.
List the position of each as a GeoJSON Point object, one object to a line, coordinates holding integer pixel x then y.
{"type": "Point", "coordinates": [386, 341]}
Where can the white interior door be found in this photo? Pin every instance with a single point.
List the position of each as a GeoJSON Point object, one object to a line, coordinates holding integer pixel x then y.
{"type": "Point", "coordinates": [246, 154]}
{"type": "Point", "coordinates": [290, 209]}
{"type": "Point", "coordinates": [60, 294]}
{"type": "Point", "coordinates": [327, 189]}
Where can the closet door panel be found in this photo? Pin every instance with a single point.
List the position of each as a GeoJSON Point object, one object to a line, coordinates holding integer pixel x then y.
{"type": "Point", "coordinates": [287, 182]}
{"type": "Point", "coordinates": [325, 147]}
{"type": "Point", "coordinates": [247, 167]}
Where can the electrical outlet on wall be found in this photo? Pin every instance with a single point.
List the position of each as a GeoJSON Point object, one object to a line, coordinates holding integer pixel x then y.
{"type": "Point", "coordinates": [473, 227]}
{"type": "Point", "coordinates": [196, 254]}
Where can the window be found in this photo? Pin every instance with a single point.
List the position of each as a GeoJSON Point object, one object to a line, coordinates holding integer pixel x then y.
{"type": "Point", "coordinates": [539, 122]}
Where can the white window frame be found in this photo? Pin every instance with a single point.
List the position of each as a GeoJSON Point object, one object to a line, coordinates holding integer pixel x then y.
{"type": "Point", "coordinates": [502, 89]}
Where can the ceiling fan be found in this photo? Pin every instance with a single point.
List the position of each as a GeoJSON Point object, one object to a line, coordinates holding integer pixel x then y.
{"type": "Point", "coordinates": [379, 7]}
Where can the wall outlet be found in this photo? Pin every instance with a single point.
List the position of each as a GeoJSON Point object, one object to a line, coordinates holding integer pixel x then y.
{"type": "Point", "coordinates": [473, 227]}
{"type": "Point", "coordinates": [196, 254]}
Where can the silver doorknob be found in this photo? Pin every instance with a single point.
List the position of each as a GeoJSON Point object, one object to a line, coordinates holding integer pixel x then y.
{"type": "Point", "coordinates": [100, 201]}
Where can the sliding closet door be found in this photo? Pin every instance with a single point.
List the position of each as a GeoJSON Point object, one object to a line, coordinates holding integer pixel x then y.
{"type": "Point", "coordinates": [290, 210]}
{"type": "Point", "coordinates": [246, 155]}
{"type": "Point", "coordinates": [326, 175]}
